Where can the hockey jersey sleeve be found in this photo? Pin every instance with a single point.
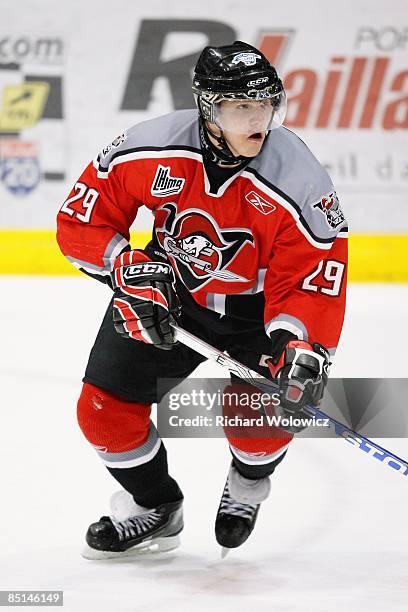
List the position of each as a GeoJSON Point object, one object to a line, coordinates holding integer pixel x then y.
{"type": "Point", "coordinates": [93, 223]}
{"type": "Point", "coordinates": [305, 284]}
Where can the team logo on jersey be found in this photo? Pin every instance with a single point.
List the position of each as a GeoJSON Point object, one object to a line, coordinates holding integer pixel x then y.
{"type": "Point", "coordinates": [199, 250]}
{"type": "Point", "coordinates": [260, 203]}
{"type": "Point", "coordinates": [164, 184]}
{"type": "Point", "coordinates": [249, 59]}
{"type": "Point", "coordinates": [329, 206]}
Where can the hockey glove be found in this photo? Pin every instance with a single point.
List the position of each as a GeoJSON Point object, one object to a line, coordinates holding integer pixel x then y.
{"type": "Point", "coordinates": [145, 301]}
{"type": "Point", "coordinates": [301, 370]}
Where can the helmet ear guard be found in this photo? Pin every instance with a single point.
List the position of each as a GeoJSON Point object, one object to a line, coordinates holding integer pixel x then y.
{"type": "Point", "coordinates": [205, 105]}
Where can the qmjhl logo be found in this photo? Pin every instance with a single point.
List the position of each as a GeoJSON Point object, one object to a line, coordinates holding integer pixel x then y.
{"type": "Point", "coordinates": [164, 184]}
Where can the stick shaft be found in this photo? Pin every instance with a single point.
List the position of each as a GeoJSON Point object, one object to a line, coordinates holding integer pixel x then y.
{"type": "Point", "coordinates": [239, 369]}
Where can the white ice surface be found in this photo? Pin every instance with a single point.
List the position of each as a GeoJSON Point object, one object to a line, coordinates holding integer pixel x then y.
{"type": "Point", "coordinates": [331, 537]}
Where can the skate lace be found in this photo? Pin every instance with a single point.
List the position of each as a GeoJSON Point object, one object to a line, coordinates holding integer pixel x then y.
{"type": "Point", "coordinates": [136, 525]}
{"type": "Point", "coordinates": [229, 505]}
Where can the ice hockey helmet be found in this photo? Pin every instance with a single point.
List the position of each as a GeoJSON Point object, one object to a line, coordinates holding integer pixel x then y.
{"type": "Point", "coordinates": [234, 72]}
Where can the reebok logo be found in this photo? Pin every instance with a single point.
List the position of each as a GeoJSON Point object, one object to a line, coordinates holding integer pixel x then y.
{"type": "Point", "coordinates": [260, 203]}
{"type": "Point", "coordinates": [164, 184]}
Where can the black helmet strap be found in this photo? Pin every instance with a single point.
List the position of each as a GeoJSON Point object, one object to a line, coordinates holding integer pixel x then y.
{"type": "Point", "coordinates": [219, 153]}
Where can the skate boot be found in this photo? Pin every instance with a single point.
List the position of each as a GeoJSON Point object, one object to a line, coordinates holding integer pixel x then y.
{"type": "Point", "coordinates": [238, 509]}
{"type": "Point", "coordinates": [132, 530]}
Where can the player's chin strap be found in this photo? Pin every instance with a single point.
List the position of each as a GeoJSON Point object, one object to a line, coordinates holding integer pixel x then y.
{"type": "Point", "coordinates": [269, 386]}
{"type": "Point", "coordinates": [220, 153]}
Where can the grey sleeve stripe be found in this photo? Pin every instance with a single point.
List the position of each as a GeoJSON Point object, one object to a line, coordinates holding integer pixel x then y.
{"type": "Point", "coordinates": [92, 268]}
{"type": "Point", "coordinates": [115, 246]}
{"type": "Point", "coordinates": [286, 321]}
{"type": "Point", "coordinates": [251, 459]}
{"type": "Point", "coordinates": [135, 456]}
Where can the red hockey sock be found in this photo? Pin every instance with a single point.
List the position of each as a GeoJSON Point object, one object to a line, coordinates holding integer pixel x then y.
{"type": "Point", "coordinates": [111, 423]}
{"type": "Point", "coordinates": [265, 440]}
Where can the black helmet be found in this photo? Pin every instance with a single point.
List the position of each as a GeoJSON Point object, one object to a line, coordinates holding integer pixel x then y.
{"type": "Point", "coordinates": [231, 72]}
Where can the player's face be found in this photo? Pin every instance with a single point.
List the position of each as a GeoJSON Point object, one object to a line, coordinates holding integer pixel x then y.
{"type": "Point", "coordinates": [244, 124]}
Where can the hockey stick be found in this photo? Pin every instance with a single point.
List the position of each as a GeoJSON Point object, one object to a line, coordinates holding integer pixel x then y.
{"type": "Point", "coordinates": [235, 367]}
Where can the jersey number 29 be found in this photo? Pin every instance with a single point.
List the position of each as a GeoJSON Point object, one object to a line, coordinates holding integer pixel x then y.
{"type": "Point", "coordinates": [332, 272]}
{"type": "Point", "coordinates": [88, 197]}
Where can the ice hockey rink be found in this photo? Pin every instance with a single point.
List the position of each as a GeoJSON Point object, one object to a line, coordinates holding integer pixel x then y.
{"type": "Point", "coordinates": [331, 537]}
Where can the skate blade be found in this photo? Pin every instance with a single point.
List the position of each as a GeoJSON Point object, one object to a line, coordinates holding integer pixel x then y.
{"type": "Point", "coordinates": [224, 552]}
{"type": "Point", "coordinates": [154, 546]}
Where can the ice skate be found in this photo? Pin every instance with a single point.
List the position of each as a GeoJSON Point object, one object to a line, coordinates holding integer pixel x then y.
{"type": "Point", "coordinates": [132, 530]}
{"type": "Point", "coordinates": [238, 509]}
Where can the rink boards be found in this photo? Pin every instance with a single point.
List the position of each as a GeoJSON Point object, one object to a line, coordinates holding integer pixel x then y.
{"type": "Point", "coordinates": [373, 257]}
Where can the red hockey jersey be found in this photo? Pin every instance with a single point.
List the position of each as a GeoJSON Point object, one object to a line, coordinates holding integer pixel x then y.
{"type": "Point", "coordinates": [274, 229]}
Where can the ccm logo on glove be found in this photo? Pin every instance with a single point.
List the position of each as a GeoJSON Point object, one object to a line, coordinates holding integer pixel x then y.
{"type": "Point", "coordinates": [145, 302]}
{"type": "Point", "coordinates": [146, 268]}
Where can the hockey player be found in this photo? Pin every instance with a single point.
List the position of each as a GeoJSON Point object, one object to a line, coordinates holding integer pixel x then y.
{"type": "Point", "coordinates": [248, 252]}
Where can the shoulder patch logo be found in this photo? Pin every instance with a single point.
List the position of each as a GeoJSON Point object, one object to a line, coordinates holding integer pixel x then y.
{"type": "Point", "coordinates": [262, 205]}
{"type": "Point", "coordinates": [329, 206]}
{"type": "Point", "coordinates": [164, 184]}
{"type": "Point", "coordinates": [115, 144]}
